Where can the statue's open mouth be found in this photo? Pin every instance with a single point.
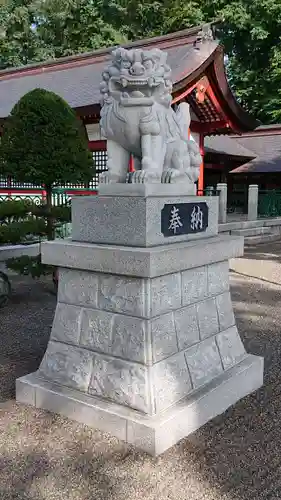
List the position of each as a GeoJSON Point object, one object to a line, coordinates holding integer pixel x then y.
{"type": "Point", "coordinates": [134, 88]}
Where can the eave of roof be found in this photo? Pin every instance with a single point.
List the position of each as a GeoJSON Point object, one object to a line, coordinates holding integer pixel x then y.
{"type": "Point", "coordinates": [266, 143]}
{"type": "Point", "coordinates": [239, 119]}
{"type": "Point", "coordinates": [77, 78]}
{"type": "Point", "coordinates": [259, 166]}
{"type": "Point", "coordinates": [165, 41]}
{"type": "Point", "coordinates": [224, 145]}
{"type": "Point", "coordinates": [260, 131]}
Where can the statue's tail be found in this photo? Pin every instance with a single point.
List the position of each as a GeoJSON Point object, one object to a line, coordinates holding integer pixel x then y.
{"type": "Point", "coordinates": [183, 119]}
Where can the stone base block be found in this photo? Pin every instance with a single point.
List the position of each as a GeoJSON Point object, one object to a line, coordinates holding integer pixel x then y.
{"type": "Point", "coordinates": [141, 262]}
{"type": "Point", "coordinates": [136, 220]}
{"type": "Point", "coordinates": [151, 434]}
{"type": "Point", "coordinates": [147, 190]}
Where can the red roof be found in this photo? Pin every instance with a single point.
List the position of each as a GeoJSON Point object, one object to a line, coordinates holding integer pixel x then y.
{"type": "Point", "coordinates": [191, 55]}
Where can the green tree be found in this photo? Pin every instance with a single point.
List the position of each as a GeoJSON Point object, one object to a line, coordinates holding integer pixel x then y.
{"type": "Point", "coordinates": [148, 18]}
{"type": "Point", "coordinates": [44, 143]}
{"type": "Point", "coordinates": [37, 30]}
{"type": "Point", "coordinates": [34, 30]}
{"type": "Point", "coordinates": [19, 42]}
{"type": "Point", "coordinates": [249, 30]}
{"type": "Point", "coordinates": [135, 19]}
{"type": "Point", "coordinates": [74, 26]}
{"type": "Point", "coordinates": [250, 33]}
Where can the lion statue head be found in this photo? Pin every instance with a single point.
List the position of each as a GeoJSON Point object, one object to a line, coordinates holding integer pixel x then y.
{"type": "Point", "coordinates": [137, 77]}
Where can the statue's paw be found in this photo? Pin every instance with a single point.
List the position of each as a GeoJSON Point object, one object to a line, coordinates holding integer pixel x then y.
{"type": "Point", "coordinates": [195, 157]}
{"type": "Point", "coordinates": [142, 177]}
{"type": "Point", "coordinates": [195, 161]}
{"type": "Point", "coordinates": [170, 175]}
{"type": "Point", "coordinates": [194, 174]}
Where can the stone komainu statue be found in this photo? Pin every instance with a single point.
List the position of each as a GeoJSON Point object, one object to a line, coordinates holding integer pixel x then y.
{"type": "Point", "coordinates": [137, 118]}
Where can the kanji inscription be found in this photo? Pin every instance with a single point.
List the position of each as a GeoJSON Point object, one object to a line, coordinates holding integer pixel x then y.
{"type": "Point", "coordinates": [184, 218]}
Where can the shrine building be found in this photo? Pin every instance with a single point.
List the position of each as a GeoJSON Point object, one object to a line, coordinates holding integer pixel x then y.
{"type": "Point", "coordinates": [198, 73]}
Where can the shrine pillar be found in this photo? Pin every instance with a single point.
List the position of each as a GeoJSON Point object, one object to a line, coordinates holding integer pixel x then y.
{"type": "Point", "coordinates": [201, 175]}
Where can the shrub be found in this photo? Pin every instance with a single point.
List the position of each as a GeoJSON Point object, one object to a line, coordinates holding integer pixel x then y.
{"type": "Point", "coordinates": [24, 222]}
{"type": "Point", "coordinates": [44, 143]}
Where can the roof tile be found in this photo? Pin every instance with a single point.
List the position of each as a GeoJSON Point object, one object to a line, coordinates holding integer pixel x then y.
{"type": "Point", "coordinates": [79, 84]}
{"type": "Point", "coordinates": [267, 147]}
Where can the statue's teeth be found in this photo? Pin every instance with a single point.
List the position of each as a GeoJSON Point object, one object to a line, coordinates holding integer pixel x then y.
{"type": "Point", "coordinates": [137, 82]}
{"type": "Point", "coordinates": [124, 82]}
{"type": "Point", "coordinates": [137, 93]}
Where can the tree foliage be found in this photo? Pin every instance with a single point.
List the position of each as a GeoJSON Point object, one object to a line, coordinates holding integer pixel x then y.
{"type": "Point", "coordinates": [37, 30]}
{"type": "Point", "coordinates": [19, 42]}
{"type": "Point", "coordinates": [147, 18]}
{"type": "Point", "coordinates": [74, 26]}
{"type": "Point", "coordinates": [33, 30]}
{"type": "Point", "coordinates": [251, 33]}
{"type": "Point", "coordinates": [249, 30]}
{"type": "Point", "coordinates": [24, 222]}
{"type": "Point", "coordinates": [44, 143]}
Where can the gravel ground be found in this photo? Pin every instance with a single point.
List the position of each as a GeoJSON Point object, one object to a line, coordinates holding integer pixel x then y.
{"type": "Point", "coordinates": [236, 456]}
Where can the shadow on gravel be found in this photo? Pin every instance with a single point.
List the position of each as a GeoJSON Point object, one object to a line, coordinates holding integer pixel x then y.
{"type": "Point", "coordinates": [265, 251]}
{"type": "Point", "coordinates": [236, 456]}
{"type": "Point", "coordinates": [33, 474]}
{"type": "Point", "coordinates": [240, 450]}
{"type": "Point", "coordinates": [25, 326]}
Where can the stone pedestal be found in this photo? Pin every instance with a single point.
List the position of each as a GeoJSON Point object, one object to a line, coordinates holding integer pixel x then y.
{"type": "Point", "coordinates": [144, 343]}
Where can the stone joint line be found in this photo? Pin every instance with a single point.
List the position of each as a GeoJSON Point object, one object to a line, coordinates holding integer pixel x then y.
{"type": "Point", "coordinates": [105, 346]}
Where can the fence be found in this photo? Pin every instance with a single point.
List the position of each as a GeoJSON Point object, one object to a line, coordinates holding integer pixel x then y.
{"type": "Point", "coordinates": [61, 198]}
{"type": "Point", "coordinates": [208, 191]}
{"type": "Point", "coordinates": [269, 203]}
{"type": "Point", "coordinates": [12, 188]}
{"type": "Point", "coordinates": [237, 201]}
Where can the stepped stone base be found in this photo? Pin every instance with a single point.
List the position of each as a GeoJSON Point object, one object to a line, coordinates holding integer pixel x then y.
{"type": "Point", "coordinates": [144, 342]}
{"type": "Point", "coordinates": [151, 434]}
{"type": "Point", "coordinates": [257, 240]}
